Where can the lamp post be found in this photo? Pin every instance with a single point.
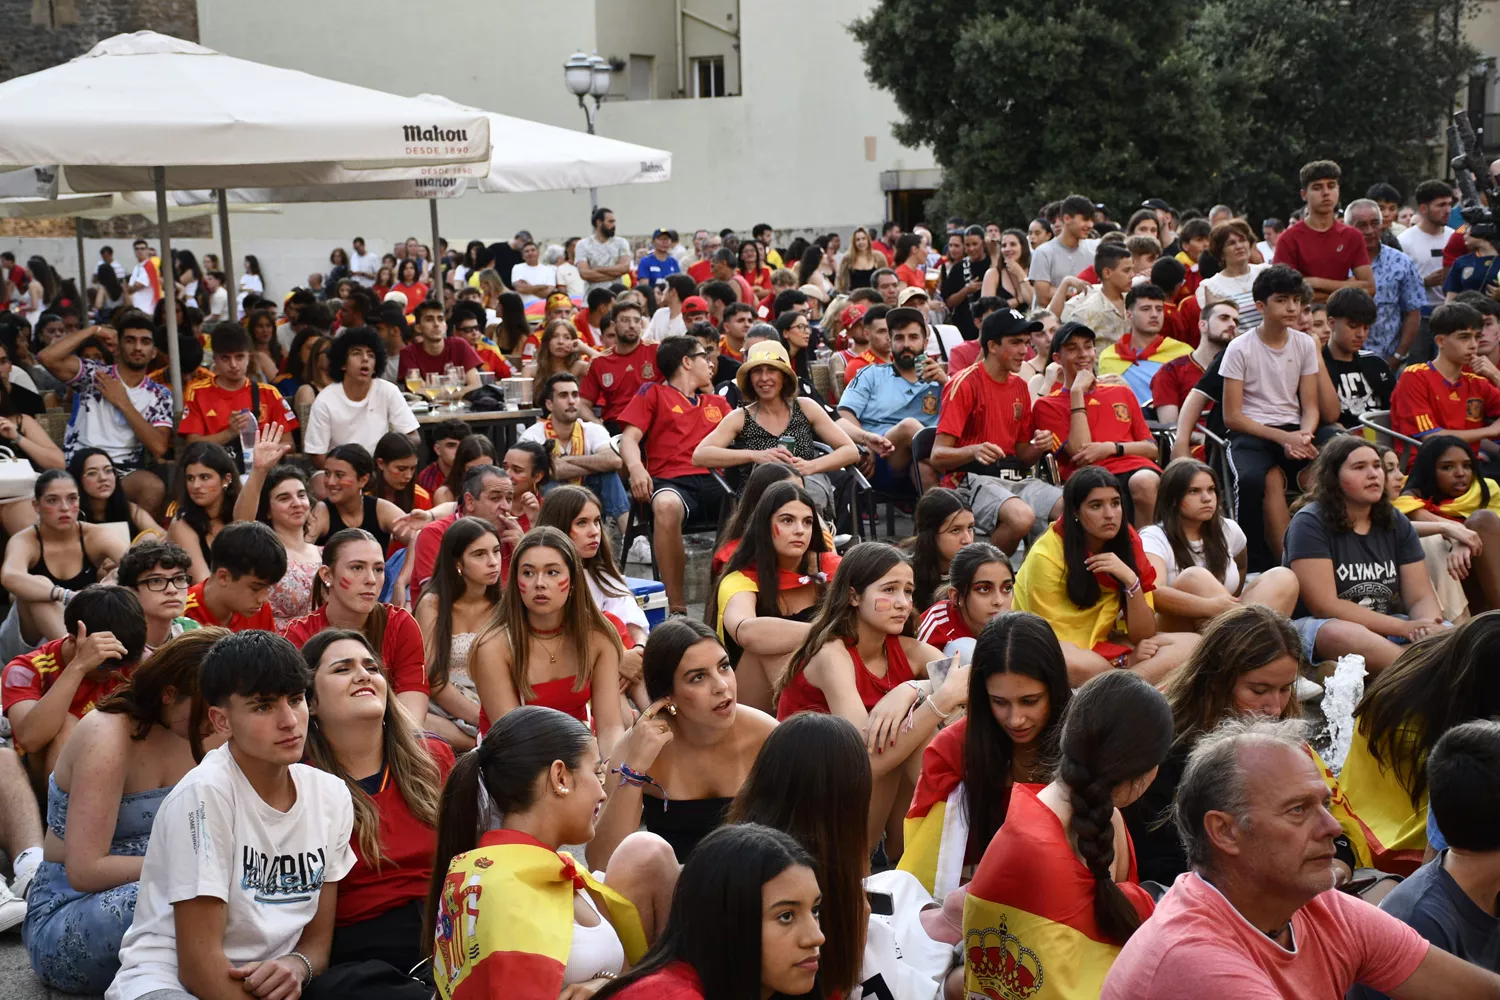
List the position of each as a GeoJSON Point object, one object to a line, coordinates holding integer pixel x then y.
{"type": "Point", "coordinates": [588, 76]}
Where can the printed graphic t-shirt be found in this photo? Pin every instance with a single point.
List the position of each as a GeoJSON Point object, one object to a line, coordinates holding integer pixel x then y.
{"type": "Point", "coordinates": [1366, 568]}
{"type": "Point", "coordinates": [215, 836]}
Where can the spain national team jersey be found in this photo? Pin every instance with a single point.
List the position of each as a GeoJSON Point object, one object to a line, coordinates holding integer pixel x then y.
{"type": "Point", "coordinates": [1426, 403]}
{"type": "Point", "coordinates": [1113, 415]}
{"type": "Point", "coordinates": [197, 610]}
{"type": "Point", "coordinates": [613, 379]}
{"type": "Point", "coordinates": [207, 407]}
{"type": "Point", "coordinates": [31, 675]}
{"type": "Point", "coordinates": [673, 425]}
{"type": "Point", "coordinates": [978, 408]}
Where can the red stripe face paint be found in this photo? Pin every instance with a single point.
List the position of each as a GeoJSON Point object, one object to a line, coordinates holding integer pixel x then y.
{"type": "Point", "coordinates": [564, 585]}
{"type": "Point", "coordinates": [884, 604]}
{"type": "Point", "coordinates": [345, 583]}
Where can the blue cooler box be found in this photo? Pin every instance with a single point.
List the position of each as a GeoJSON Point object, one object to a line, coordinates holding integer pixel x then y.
{"type": "Point", "coordinates": [652, 597]}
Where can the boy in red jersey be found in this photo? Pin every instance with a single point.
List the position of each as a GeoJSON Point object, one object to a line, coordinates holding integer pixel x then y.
{"type": "Point", "coordinates": [614, 376]}
{"type": "Point", "coordinates": [248, 560]}
{"type": "Point", "coordinates": [216, 409]}
{"type": "Point", "coordinates": [1454, 393]}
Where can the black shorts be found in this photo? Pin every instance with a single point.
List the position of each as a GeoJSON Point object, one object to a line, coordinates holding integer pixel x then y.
{"type": "Point", "coordinates": [702, 496]}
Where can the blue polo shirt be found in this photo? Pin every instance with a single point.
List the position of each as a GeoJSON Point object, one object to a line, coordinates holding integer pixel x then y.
{"type": "Point", "coordinates": [880, 399]}
{"type": "Point", "coordinates": [649, 269]}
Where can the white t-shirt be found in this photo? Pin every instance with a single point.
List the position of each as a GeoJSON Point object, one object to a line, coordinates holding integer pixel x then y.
{"type": "Point", "coordinates": [1271, 376]}
{"type": "Point", "coordinates": [1427, 251]}
{"type": "Point", "coordinates": [1052, 262]}
{"type": "Point", "coordinates": [592, 252]}
{"type": "Point", "coordinates": [364, 262]}
{"type": "Point", "coordinates": [1267, 252]}
{"type": "Point", "coordinates": [663, 324]}
{"type": "Point", "coordinates": [250, 284]}
{"type": "Point", "coordinates": [1237, 290]}
{"type": "Point", "coordinates": [950, 336]}
{"type": "Point", "coordinates": [622, 606]}
{"type": "Point", "coordinates": [594, 437]}
{"type": "Point", "coordinates": [569, 278]}
{"type": "Point", "coordinates": [144, 299]}
{"type": "Point", "coordinates": [334, 420]}
{"type": "Point", "coordinates": [1154, 541]}
{"type": "Point", "coordinates": [534, 274]}
{"type": "Point", "coordinates": [218, 304]}
{"type": "Point", "coordinates": [215, 836]}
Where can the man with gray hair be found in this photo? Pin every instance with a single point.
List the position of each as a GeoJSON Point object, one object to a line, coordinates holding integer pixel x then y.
{"type": "Point", "coordinates": [1399, 294]}
{"type": "Point", "coordinates": [1258, 917]}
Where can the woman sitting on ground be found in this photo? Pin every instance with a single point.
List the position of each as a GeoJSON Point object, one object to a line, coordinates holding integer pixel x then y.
{"type": "Point", "coordinates": [756, 485]}
{"type": "Point", "coordinates": [458, 602]}
{"type": "Point", "coordinates": [346, 594]}
{"type": "Point", "coordinates": [102, 497]}
{"type": "Point", "coordinates": [119, 764]}
{"type": "Point", "coordinates": [559, 351]}
{"type": "Point", "coordinates": [535, 783]}
{"type": "Point", "coordinates": [775, 424]}
{"type": "Point", "coordinates": [347, 471]}
{"type": "Point", "coordinates": [49, 562]}
{"type": "Point", "coordinates": [476, 449]}
{"type": "Point", "coordinates": [860, 661]}
{"type": "Point", "coordinates": [1444, 490]}
{"type": "Point", "coordinates": [576, 512]}
{"type": "Point", "coordinates": [548, 643]}
{"type": "Point", "coordinates": [277, 495]}
{"type": "Point", "coordinates": [1246, 665]}
{"type": "Point", "coordinates": [750, 877]}
{"type": "Point", "coordinates": [208, 484]}
{"type": "Point", "coordinates": [529, 466]}
{"type": "Point", "coordinates": [1432, 687]}
{"type": "Point", "coordinates": [395, 477]}
{"type": "Point", "coordinates": [1359, 566]}
{"type": "Point", "coordinates": [980, 586]}
{"type": "Point", "coordinates": [1199, 554]}
{"type": "Point", "coordinates": [1447, 545]}
{"type": "Point", "coordinates": [944, 524]}
{"type": "Point", "coordinates": [1086, 573]}
{"type": "Point", "coordinates": [359, 732]}
{"type": "Point", "coordinates": [970, 768]}
{"type": "Point", "coordinates": [688, 754]}
{"type": "Point", "coordinates": [771, 589]}
{"type": "Point", "coordinates": [1061, 872]}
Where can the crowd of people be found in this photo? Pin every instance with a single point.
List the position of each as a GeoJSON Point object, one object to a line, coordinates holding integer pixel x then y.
{"type": "Point", "coordinates": [304, 698]}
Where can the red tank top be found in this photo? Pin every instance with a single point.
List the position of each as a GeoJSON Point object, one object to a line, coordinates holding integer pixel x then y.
{"type": "Point", "coordinates": [801, 695]}
{"type": "Point", "coordinates": [559, 694]}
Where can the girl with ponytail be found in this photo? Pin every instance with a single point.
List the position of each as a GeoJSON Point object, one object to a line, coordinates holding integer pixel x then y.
{"type": "Point", "coordinates": [1060, 874]}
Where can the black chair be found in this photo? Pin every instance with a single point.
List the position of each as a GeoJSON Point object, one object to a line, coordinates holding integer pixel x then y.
{"type": "Point", "coordinates": [642, 523]}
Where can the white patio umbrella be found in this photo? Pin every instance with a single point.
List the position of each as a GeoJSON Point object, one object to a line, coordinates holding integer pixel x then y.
{"type": "Point", "coordinates": [113, 120]}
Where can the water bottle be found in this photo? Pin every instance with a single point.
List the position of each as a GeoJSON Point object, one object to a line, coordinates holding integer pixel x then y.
{"type": "Point", "coordinates": [248, 435]}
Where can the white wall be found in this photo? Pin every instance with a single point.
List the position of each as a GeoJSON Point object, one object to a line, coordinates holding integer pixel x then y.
{"type": "Point", "coordinates": [791, 151]}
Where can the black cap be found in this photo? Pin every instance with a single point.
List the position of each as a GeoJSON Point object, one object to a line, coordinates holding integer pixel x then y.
{"type": "Point", "coordinates": [1065, 333]}
{"type": "Point", "coordinates": [1157, 205]}
{"type": "Point", "coordinates": [1007, 323]}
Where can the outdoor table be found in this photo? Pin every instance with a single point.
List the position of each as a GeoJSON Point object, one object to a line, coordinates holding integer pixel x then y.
{"type": "Point", "coordinates": [502, 426]}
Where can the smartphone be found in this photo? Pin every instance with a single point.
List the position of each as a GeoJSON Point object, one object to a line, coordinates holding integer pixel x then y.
{"type": "Point", "coordinates": [882, 904]}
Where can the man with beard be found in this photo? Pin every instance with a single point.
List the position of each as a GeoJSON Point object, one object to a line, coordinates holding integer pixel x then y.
{"type": "Point", "coordinates": [582, 452]}
{"type": "Point", "coordinates": [884, 406]}
{"type": "Point", "coordinates": [118, 407]}
{"type": "Point", "coordinates": [602, 257]}
{"type": "Point", "coordinates": [358, 407]}
{"type": "Point", "coordinates": [614, 376]}
{"type": "Point", "coordinates": [1177, 378]}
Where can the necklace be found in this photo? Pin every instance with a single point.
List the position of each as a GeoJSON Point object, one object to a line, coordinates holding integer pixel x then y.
{"type": "Point", "coordinates": [548, 632]}
{"type": "Point", "coordinates": [551, 654]}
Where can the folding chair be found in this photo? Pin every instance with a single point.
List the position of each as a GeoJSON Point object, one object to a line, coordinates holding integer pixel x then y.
{"type": "Point", "coordinates": [1379, 421]}
{"type": "Point", "coordinates": [642, 523]}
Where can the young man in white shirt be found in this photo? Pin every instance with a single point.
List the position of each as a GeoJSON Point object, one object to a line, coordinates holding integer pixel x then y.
{"type": "Point", "coordinates": [218, 296]}
{"type": "Point", "coordinates": [358, 407]}
{"type": "Point", "coordinates": [239, 883]}
{"type": "Point", "coordinates": [1425, 241]}
{"type": "Point", "coordinates": [531, 278]}
{"type": "Point", "coordinates": [668, 320]}
{"type": "Point", "coordinates": [363, 266]}
{"type": "Point", "coordinates": [583, 452]}
{"type": "Point", "coordinates": [602, 257]}
{"type": "Point", "coordinates": [144, 292]}
{"type": "Point", "coordinates": [1068, 254]}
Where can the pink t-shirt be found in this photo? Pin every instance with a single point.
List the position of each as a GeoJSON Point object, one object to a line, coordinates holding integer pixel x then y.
{"type": "Point", "coordinates": [1198, 945]}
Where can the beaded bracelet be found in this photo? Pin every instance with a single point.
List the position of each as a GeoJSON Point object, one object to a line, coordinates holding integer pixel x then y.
{"type": "Point", "coordinates": [1134, 589]}
{"type": "Point", "coordinates": [630, 776]}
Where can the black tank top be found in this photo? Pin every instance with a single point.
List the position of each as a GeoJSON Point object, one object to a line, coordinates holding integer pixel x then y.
{"type": "Point", "coordinates": [371, 522]}
{"type": "Point", "coordinates": [85, 576]}
{"type": "Point", "coordinates": [685, 822]}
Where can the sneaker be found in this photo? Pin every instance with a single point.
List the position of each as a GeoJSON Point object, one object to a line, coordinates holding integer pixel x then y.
{"type": "Point", "coordinates": [640, 550]}
{"type": "Point", "coordinates": [23, 869]}
{"type": "Point", "coordinates": [12, 908]}
{"type": "Point", "coordinates": [1308, 690]}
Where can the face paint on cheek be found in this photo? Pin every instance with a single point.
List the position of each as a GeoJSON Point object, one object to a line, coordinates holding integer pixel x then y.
{"type": "Point", "coordinates": [884, 604]}
{"type": "Point", "coordinates": [563, 586]}
{"type": "Point", "coordinates": [345, 583]}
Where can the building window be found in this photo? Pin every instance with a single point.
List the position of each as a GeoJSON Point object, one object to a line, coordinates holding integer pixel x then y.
{"type": "Point", "coordinates": [708, 76]}
{"type": "Point", "coordinates": [642, 78]}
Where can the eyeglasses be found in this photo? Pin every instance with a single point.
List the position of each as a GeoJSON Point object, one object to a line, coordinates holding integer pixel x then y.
{"type": "Point", "coordinates": [697, 354]}
{"type": "Point", "coordinates": [468, 329]}
{"type": "Point", "coordinates": [159, 584]}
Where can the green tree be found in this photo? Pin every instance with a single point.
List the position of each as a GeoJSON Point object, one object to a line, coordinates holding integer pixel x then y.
{"type": "Point", "coordinates": [1025, 101]}
{"type": "Point", "coordinates": [1367, 83]}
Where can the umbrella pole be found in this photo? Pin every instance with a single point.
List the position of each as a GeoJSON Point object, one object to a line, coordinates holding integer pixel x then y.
{"type": "Point", "coordinates": [437, 254]}
{"type": "Point", "coordinates": [83, 268]}
{"type": "Point", "coordinates": [169, 286]}
{"type": "Point", "coordinates": [228, 256]}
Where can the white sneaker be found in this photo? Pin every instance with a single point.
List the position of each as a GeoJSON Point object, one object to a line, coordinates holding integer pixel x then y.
{"type": "Point", "coordinates": [640, 550]}
{"type": "Point", "coordinates": [23, 869]}
{"type": "Point", "coordinates": [1307, 690]}
{"type": "Point", "coordinates": [12, 908]}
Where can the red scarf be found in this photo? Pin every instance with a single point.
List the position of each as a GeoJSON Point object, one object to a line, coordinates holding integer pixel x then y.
{"type": "Point", "coordinates": [1143, 567]}
{"type": "Point", "coordinates": [789, 580]}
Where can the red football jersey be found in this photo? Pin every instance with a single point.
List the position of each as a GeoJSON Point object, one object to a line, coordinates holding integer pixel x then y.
{"type": "Point", "coordinates": [613, 380]}
{"type": "Point", "coordinates": [1426, 403]}
{"type": "Point", "coordinates": [1330, 254]}
{"type": "Point", "coordinates": [401, 647]}
{"type": "Point", "coordinates": [1113, 415]}
{"type": "Point", "coordinates": [198, 611]}
{"type": "Point", "coordinates": [31, 675]}
{"type": "Point", "coordinates": [207, 407]}
{"type": "Point", "coordinates": [941, 624]}
{"type": "Point", "coordinates": [673, 425]}
{"type": "Point", "coordinates": [1170, 385]}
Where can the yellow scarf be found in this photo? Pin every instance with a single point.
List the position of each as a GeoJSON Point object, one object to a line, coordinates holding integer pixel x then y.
{"type": "Point", "coordinates": [575, 442]}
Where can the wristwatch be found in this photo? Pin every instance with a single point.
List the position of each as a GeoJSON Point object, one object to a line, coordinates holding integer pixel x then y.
{"type": "Point", "coordinates": [1119, 449]}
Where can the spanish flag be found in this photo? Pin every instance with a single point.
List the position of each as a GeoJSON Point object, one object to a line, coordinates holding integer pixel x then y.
{"type": "Point", "coordinates": [1457, 509]}
{"type": "Point", "coordinates": [1343, 812]}
{"type": "Point", "coordinates": [153, 275]}
{"type": "Point", "coordinates": [505, 920]}
{"type": "Point", "coordinates": [1029, 928]}
{"type": "Point", "coordinates": [937, 825]}
{"type": "Point", "coordinates": [1394, 831]}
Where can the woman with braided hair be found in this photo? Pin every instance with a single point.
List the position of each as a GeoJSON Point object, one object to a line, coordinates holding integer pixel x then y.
{"type": "Point", "coordinates": [1056, 895]}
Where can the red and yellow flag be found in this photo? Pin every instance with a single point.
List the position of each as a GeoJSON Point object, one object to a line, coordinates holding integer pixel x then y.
{"type": "Point", "coordinates": [1029, 928]}
{"type": "Point", "coordinates": [937, 826]}
{"type": "Point", "coordinates": [1343, 812]}
{"type": "Point", "coordinates": [1393, 830]}
{"type": "Point", "coordinates": [505, 920]}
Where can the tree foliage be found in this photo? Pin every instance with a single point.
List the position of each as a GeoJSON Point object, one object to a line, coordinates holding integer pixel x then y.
{"type": "Point", "coordinates": [1025, 101]}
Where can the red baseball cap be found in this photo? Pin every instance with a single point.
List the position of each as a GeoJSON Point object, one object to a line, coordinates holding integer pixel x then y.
{"type": "Point", "coordinates": [695, 303]}
{"type": "Point", "coordinates": [854, 313]}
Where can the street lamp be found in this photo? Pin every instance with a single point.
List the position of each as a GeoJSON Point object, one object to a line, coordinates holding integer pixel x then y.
{"type": "Point", "coordinates": [588, 76]}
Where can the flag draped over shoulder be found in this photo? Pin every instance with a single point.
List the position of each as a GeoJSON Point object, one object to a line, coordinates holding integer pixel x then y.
{"type": "Point", "coordinates": [505, 920]}
{"type": "Point", "coordinates": [1394, 831]}
{"type": "Point", "coordinates": [1460, 508]}
{"type": "Point", "coordinates": [1029, 928]}
{"type": "Point", "coordinates": [1343, 812]}
{"type": "Point", "coordinates": [937, 825]}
